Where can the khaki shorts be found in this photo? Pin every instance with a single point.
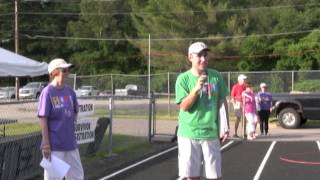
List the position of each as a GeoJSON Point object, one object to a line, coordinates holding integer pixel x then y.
{"type": "Point", "coordinates": [237, 109]}
{"type": "Point", "coordinates": [199, 158]}
{"type": "Point", "coordinates": [238, 113]}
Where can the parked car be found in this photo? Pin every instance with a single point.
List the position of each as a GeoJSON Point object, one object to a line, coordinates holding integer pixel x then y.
{"type": "Point", "coordinates": [293, 110]}
{"type": "Point", "coordinates": [87, 91]}
{"type": "Point", "coordinates": [32, 89]}
{"type": "Point", "coordinates": [131, 90]}
{"type": "Point", "coordinates": [7, 92]}
{"type": "Point", "coordinates": [105, 93]}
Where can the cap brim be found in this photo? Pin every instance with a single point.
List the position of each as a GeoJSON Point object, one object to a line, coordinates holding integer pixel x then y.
{"type": "Point", "coordinates": [66, 66]}
{"type": "Point", "coordinates": [205, 49]}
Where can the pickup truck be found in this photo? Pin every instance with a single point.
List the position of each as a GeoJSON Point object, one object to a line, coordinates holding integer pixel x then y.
{"type": "Point", "coordinates": [7, 92]}
{"type": "Point", "coordinates": [32, 89]}
{"type": "Point", "coordinates": [294, 109]}
{"type": "Point", "coordinates": [87, 91]}
{"type": "Point", "coordinates": [131, 90]}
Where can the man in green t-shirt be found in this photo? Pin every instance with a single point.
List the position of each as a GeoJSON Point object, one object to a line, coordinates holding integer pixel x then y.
{"type": "Point", "coordinates": [199, 94]}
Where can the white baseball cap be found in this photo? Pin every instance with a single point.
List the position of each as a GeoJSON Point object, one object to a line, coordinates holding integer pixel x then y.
{"type": "Point", "coordinates": [197, 47]}
{"type": "Point", "coordinates": [58, 63]}
{"type": "Point", "coordinates": [242, 77]}
{"type": "Point", "coordinates": [263, 85]}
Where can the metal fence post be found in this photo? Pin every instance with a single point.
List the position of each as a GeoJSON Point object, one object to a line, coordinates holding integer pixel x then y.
{"type": "Point", "coordinates": [292, 80]}
{"type": "Point", "coordinates": [229, 81]}
{"type": "Point", "coordinates": [151, 116]}
{"type": "Point", "coordinates": [112, 86]}
{"type": "Point", "coordinates": [110, 126]}
{"type": "Point", "coordinates": [75, 81]}
{"type": "Point", "coordinates": [169, 96]}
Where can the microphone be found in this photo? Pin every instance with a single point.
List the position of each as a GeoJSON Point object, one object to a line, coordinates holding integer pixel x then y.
{"type": "Point", "coordinates": [205, 84]}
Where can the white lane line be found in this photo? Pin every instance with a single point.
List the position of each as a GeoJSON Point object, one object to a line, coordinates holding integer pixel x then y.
{"type": "Point", "coordinates": [226, 145]}
{"type": "Point", "coordinates": [150, 158]}
{"type": "Point", "coordinates": [138, 163]}
{"type": "Point", "coordinates": [263, 163]}
{"type": "Point", "coordinates": [318, 142]}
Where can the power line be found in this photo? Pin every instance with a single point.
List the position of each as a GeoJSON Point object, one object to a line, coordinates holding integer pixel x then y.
{"type": "Point", "coordinates": [168, 39]}
{"type": "Point", "coordinates": [66, 1]}
{"type": "Point", "coordinates": [168, 12]}
{"type": "Point", "coordinates": [6, 14]}
{"type": "Point", "coordinates": [238, 57]}
{"type": "Point", "coordinates": [53, 1]}
{"type": "Point", "coordinates": [5, 4]}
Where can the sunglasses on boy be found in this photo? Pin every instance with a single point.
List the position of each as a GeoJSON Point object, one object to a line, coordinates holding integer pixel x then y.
{"type": "Point", "coordinates": [64, 70]}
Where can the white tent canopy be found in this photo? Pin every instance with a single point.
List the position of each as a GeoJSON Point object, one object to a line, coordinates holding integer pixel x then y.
{"type": "Point", "coordinates": [12, 64]}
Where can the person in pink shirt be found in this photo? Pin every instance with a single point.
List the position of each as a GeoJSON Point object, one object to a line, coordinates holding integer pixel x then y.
{"type": "Point", "coordinates": [249, 108]}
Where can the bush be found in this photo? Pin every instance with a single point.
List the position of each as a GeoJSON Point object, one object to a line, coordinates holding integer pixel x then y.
{"type": "Point", "coordinates": [308, 86]}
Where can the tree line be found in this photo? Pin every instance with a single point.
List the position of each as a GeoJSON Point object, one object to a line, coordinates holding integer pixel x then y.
{"type": "Point", "coordinates": [113, 36]}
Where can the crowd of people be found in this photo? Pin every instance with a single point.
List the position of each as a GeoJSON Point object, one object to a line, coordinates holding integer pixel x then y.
{"type": "Point", "coordinates": [200, 94]}
{"type": "Point", "coordinates": [253, 107]}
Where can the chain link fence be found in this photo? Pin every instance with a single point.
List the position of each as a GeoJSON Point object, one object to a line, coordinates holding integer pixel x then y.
{"type": "Point", "coordinates": [163, 86]}
{"type": "Point", "coordinates": [134, 118]}
{"type": "Point", "coordinates": [126, 124]}
{"type": "Point", "coordinates": [19, 140]}
{"type": "Point", "coordinates": [163, 83]}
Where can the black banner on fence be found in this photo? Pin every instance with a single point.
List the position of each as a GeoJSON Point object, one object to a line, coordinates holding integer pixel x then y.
{"type": "Point", "coordinates": [20, 157]}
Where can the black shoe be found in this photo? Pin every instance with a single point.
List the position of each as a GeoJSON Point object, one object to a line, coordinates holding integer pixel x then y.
{"type": "Point", "coordinates": [235, 136]}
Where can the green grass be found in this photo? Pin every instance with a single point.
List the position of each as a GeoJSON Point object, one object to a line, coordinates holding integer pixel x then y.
{"type": "Point", "coordinates": [21, 128]}
{"type": "Point", "coordinates": [125, 150]}
{"type": "Point", "coordinates": [121, 144]}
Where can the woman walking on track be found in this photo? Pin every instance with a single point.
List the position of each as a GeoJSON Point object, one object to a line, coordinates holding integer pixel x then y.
{"type": "Point", "coordinates": [249, 109]}
{"type": "Point", "coordinates": [57, 110]}
{"type": "Point", "coordinates": [265, 104]}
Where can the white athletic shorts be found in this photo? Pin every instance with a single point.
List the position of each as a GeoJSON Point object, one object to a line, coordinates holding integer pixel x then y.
{"type": "Point", "coordinates": [199, 158]}
{"type": "Point", "coordinates": [252, 120]}
{"type": "Point", "coordinates": [73, 159]}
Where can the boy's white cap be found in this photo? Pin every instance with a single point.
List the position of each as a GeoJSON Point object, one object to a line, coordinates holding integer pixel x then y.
{"type": "Point", "coordinates": [263, 85]}
{"type": "Point", "coordinates": [58, 63]}
{"type": "Point", "coordinates": [242, 77]}
{"type": "Point", "coordinates": [197, 47]}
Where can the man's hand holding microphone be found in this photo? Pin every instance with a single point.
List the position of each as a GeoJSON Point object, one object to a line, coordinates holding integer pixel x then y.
{"type": "Point", "coordinates": [201, 82]}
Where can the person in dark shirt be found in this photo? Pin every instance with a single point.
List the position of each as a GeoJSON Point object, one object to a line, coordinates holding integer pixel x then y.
{"type": "Point", "coordinates": [265, 104]}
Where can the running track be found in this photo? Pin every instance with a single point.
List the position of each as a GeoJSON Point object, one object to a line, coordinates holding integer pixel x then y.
{"type": "Point", "coordinates": [243, 160]}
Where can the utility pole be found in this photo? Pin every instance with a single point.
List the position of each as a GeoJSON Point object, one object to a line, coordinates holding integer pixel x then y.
{"type": "Point", "coordinates": [149, 67]}
{"type": "Point", "coordinates": [16, 42]}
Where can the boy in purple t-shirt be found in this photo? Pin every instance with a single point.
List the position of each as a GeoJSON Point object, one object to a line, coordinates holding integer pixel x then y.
{"type": "Point", "coordinates": [265, 103]}
{"type": "Point", "coordinates": [57, 110]}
